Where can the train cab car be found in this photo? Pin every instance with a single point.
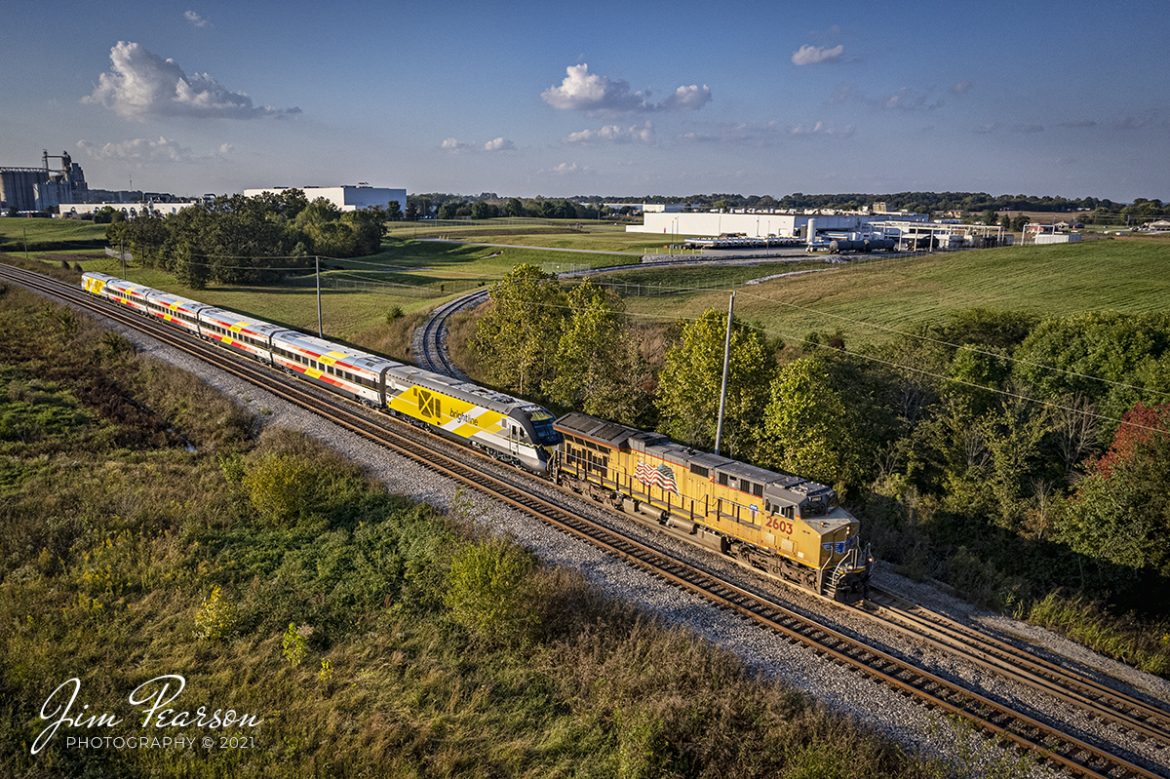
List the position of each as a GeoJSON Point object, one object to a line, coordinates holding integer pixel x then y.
{"type": "Point", "coordinates": [357, 374]}
{"type": "Point", "coordinates": [173, 309]}
{"type": "Point", "coordinates": [782, 524]}
{"type": "Point", "coordinates": [127, 293]}
{"type": "Point", "coordinates": [242, 333]}
{"type": "Point", "coordinates": [509, 429]}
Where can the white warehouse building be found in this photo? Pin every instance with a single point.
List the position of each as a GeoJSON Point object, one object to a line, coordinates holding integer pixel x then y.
{"type": "Point", "coordinates": [346, 197]}
{"type": "Point", "coordinates": [756, 225]}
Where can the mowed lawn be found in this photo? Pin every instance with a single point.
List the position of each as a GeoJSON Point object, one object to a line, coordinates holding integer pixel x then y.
{"type": "Point", "coordinates": [59, 233]}
{"type": "Point", "coordinates": [900, 294]}
{"type": "Point", "coordinates": [413, 276]}
{"type": "Point", "coordinates": [554, 234]}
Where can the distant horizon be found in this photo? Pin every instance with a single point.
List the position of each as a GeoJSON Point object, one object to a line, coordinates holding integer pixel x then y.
{"type": "Point", "coordinates": [544, 100]}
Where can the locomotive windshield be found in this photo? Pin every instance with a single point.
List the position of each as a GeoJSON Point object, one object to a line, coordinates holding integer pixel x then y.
{"type": "Point", "coordinates": [545, 433]}
{"type": "Point", "coordinates": [818, 503]}
{"type": "Point", "coordinates": [542, 425]}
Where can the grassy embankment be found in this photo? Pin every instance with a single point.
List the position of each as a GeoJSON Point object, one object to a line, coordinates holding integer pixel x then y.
{"type": "Point", "coordinates": [147, 529]}
{"type": "Point", "coordinates": [372, 301]}
{"type": "Point", "coordinates": [860, 299]}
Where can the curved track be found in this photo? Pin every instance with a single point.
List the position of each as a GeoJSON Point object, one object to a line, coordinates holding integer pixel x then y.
{"type": "Point", "coordinates": [1047, 742]}
{"type": "Point", "coordinates": [430, 340]}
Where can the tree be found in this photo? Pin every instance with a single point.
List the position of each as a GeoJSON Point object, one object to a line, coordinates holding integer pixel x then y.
{"type": "Point", "coordinates": [393, 210]}
{"type": "Point", "coordinates": [515, 338]}
{"type": "Point", "coordinates": [514, 207]}
{"type": "Point", "coordinates": [1121, 511]}
{"type": "Point", "coordinates": [809, 428]}
{"type": "Point", "coordinates": [688, 387]}
{"type": "Point", "coordinates": [596, 360]}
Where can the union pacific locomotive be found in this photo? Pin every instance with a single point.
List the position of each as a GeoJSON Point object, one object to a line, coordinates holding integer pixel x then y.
{"type": "Point", "coordinates": [781, 524]}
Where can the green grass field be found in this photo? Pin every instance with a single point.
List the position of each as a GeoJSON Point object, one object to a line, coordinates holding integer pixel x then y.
{"type": "Point", "coordinates": [49, 233]}
{"type": "Point", "coordinates": [357, 294]}
{"type": "Point", "coordinates": [901, 294]}
{"type": "Point", "coordinates": [555, 234]}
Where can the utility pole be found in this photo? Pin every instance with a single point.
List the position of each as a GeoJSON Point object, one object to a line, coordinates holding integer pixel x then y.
{"type": "Point", "coordinates": [317, 263]}
{"type": "Point", "coordinates": [25, 228]}
{"type": "Point", "coordinates": [122, 253]}
{"type": "Point", "coordinates": [726, 364]}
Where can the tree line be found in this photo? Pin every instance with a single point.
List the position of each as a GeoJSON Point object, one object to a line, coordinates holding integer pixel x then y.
{"type": "Point", "coordinates": [1006, 454]}
{"type": "Point", "coordinates": [488, 205]}
{"type": "Point", "coordinates": [246, 240]}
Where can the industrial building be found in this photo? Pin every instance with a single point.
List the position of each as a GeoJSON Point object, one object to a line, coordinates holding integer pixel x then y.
{"type": "Point", "coordinates": [345, 197]}
{"type": "Point", "coordinates": [1041, 234]}
{"type": "Point", "coordinates": [43, 188]}
{"type": "Point", "coordinates": [760, 224]}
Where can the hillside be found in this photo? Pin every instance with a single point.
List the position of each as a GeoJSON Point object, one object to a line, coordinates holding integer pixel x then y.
{"type": "Point", "coordinates": [869, 299]}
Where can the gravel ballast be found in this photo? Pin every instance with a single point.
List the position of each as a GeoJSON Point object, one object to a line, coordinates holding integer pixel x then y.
{"type": "Point", "coordinates": [842, 690]}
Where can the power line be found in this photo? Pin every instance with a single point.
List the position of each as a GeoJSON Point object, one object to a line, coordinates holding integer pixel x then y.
{"type": "Point", "coordinates": [895, 365]}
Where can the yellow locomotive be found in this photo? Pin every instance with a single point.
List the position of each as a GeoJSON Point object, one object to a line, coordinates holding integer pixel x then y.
{"type": "Point", "coordinates": [781, 524]}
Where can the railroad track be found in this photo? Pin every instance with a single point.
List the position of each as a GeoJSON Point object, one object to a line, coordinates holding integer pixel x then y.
{"type": "Point", "coordinates": [1142, 718]}
{"type": "Point", "coordinates": [430, 347]}
{"type": "Point", "coordinates": [1049, 743]}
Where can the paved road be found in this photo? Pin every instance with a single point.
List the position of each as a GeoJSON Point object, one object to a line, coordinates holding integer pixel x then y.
{"type": "Point", "coordinates": [527, 246]}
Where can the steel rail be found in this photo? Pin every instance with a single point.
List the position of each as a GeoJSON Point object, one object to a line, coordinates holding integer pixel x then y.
{"type": "Point", "coordinates": [1141, 717]}
{"type": "Point", "coordinates": [1049, 743]}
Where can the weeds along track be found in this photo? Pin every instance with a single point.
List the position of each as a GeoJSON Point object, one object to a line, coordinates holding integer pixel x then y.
{"type": "Point", "coordinates": [1047, 742]}
{"type": "Point", "coordinates": [1142, 718]}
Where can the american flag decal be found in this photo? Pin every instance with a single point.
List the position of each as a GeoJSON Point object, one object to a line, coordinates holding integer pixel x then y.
{"type": "Point", "coordinates": [663, 476]}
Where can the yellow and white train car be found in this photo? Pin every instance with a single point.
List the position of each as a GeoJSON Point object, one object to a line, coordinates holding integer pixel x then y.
{"type": "Point", "coordinates": [510, 429]}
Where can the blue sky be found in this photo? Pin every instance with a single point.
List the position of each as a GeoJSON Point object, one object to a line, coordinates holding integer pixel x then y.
{"type": "Point", "coordinates": [1069, 98]}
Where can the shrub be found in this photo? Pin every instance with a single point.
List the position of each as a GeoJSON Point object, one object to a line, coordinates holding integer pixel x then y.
{"type": "Point", "coordinates": [215, 616]}
{"type": "Point", "coordinates": [295, 644]}
{"type": "Point", "coordinates": [281, 487]}
{"type": "Point", "coordinates": [488, 593]}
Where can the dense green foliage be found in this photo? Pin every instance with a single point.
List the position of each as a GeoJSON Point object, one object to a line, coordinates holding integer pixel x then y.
{"type": "Point", "coordinates": [572, 349]}
{"type": "Point", "coordinates": [242, 240]}
{"type": "Point", "coordinates": [691, 378]}
{"type": "Point", "coordinates": [969, 447]}
{"type": "Point", "coordinates": [146, 532]}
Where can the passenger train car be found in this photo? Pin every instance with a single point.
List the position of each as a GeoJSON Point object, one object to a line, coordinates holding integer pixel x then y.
{"type": "Point", "coordinates": [781, 524]}
{"type": "Point", "coordinates": [511, 430]}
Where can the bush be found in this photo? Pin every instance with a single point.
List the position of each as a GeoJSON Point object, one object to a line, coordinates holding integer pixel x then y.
{"type": "Point", "coordinates": [281, 487]}
{"type": "Point", "coordinates": [215, 616]}
{"type": "Point", "coordinates": [294, 646]}
{"type": "Point", "coordinates": [489, 589]}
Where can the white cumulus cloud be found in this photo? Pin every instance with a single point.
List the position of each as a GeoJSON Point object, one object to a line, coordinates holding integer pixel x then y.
{"type": "Point", "coordinates": [499, 144]}
{"type": "Point", "coordinates": [567, 169]}
{"type": "Point", "coordinates": [581, 90]}
{"type": "Point", "coordinates": [822, 129]}
{"type": "Point", "coordinates": [612, 133]}
{"type": "Point", "coordinates": [691, 96]}
{"type": "Point", "coordinates": [194, 19]}
{"type": "Point", "coordinates": [812, 55]}
{"type": "Point", "coordinates": [141, 84]}
{"type": "Point", "coordinates": [143, 150]}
